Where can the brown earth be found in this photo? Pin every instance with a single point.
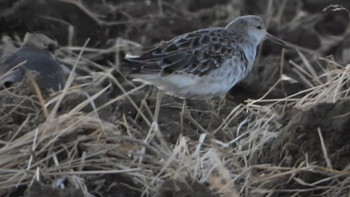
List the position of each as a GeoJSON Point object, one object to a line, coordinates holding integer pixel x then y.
{"type": "Point", "coordinates": [144, 22]}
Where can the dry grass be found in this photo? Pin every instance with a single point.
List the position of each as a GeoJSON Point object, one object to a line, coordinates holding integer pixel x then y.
{"type": "Point", "coordinates": [78, 146]}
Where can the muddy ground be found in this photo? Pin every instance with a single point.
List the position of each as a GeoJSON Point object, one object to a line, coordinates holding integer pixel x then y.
{"type": "Point", "coordinates": [279, 145]}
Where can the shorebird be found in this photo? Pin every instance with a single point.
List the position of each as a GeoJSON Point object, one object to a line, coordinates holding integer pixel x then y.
{"type": "Point", "coordinates": [201, 64]}
{"type": "Point", "coordinates": [33, 55]}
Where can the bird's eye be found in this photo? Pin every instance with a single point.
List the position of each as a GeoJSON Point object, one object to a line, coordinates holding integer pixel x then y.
{"type": "Point", "coordinates": [259, 27]}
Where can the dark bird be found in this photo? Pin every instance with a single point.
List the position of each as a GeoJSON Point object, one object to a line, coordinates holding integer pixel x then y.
{"type": "Point", "coordinates": [33, 55]}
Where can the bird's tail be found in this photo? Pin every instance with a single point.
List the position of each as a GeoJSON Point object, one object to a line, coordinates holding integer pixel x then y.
{"type": "Point", "coordinates": [129, 64]}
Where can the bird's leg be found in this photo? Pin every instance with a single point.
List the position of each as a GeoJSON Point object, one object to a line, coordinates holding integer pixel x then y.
{"type": "Point", "coordinates": [182, 113]}
{"type": "Point", "coordinates": [185, 112]}
{"type": "Point", "coordinates": [222, 102]}
{"type": "Point", "coordinates": [154, 129]}
{"type": "Point", "coordinates": [158, 103]}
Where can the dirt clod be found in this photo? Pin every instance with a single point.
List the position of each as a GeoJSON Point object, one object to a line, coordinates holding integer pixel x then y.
{"type": "Point", "coordinates": [299, 139]}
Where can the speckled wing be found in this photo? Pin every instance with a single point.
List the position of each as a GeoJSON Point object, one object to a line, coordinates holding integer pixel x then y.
{"type": "Point", "coordinates": [197, 53]}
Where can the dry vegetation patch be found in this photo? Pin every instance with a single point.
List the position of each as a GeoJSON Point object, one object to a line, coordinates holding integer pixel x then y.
{"type": "Point", "coordinates": [281, 132]}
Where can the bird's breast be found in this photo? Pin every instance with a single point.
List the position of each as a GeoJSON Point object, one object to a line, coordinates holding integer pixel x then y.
{"type": "Point", "coordinates": [215, 83]}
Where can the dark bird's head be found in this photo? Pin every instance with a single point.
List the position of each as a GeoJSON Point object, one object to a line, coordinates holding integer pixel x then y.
{"type": "Point", "coordinates": [40, 41]}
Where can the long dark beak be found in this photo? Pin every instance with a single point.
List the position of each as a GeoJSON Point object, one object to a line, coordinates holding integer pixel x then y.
{"type": "Point", "coordinates": [276, 40]}
{"type": "Point", "coordinates": [286, 44]}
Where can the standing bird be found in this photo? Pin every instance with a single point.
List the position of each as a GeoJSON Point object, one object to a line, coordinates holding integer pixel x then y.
{"type": "Point", "coordinates": [33, 55]}
{"type": "Point", "coordinates": [202, 64]}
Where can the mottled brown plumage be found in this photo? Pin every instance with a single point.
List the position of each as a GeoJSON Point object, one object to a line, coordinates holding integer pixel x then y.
{"type": "Point", "coordinates": [201, 64]}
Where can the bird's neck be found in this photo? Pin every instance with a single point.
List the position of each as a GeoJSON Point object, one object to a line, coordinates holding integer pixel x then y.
{"type": "Point", "coordinates": [249, 45]}
{"type": "Point", "coordinates": [253, 41]}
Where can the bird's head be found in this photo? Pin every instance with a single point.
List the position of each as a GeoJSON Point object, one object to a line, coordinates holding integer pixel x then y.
{"type": "Point", "coordinates": [250, 25]}
{"type": "Point", "coordinates": [41, 41]}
